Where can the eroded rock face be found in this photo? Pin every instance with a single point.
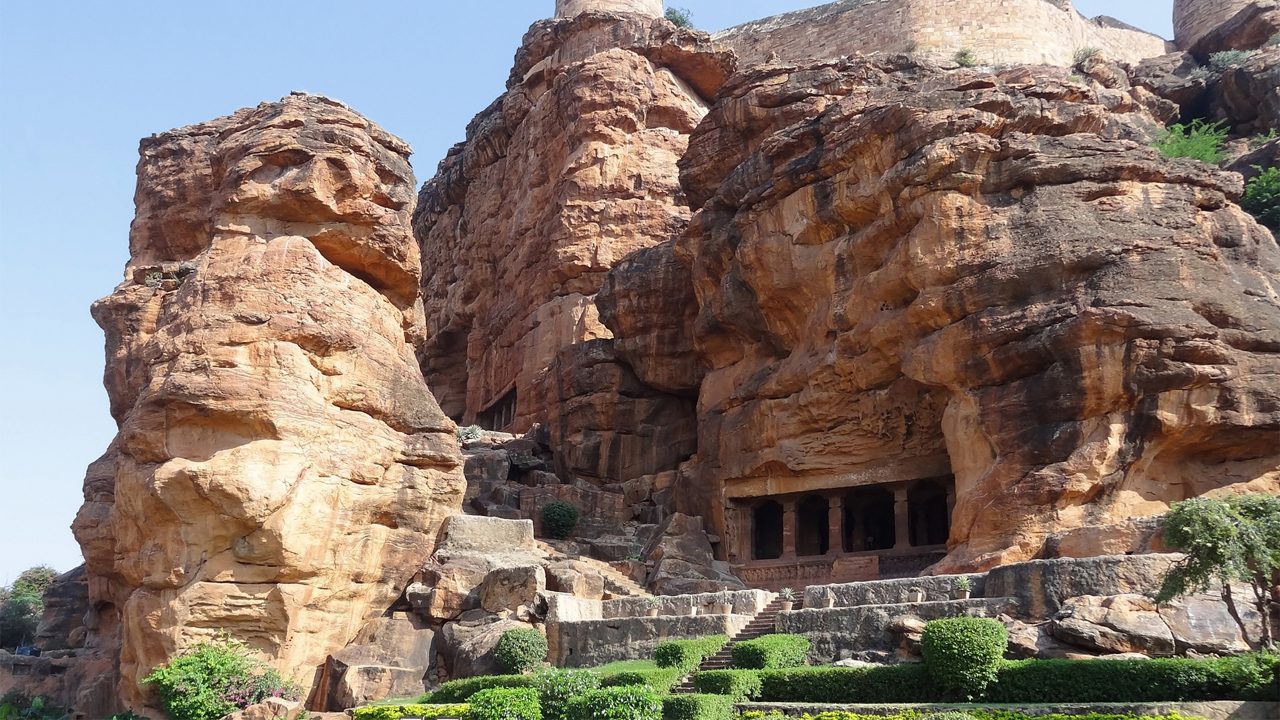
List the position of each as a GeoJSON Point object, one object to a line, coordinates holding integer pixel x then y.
{"type": "Point", "coordinates": [281, 467]}
{"type": "Point", "coordinates": [569, 172]}
{"type": "Point", "coordinates": [903, 272]}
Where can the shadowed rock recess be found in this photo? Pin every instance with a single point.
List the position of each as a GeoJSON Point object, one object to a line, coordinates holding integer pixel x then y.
{"type": "Point", "coordinates": [280, 462]}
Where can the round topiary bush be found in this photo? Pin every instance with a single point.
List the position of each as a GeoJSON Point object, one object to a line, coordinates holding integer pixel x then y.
{"type": "Point", "coordinates": [505, 704]}
{"type": "Point", "coordinates": [963, 654]}
{"type": "Point", "coordinates": [631, 702]}
{"type": "Point", "coordinates": [559, 519]}
{"type": "Point", "coordinates": [519, 651]}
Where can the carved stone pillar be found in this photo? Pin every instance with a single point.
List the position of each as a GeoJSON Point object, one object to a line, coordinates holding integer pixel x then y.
{"type": "Point", "coordinates": [789, 530]}
{"type": "Point", "coordinates": [901, 518]}
{"type": "Point", "coordinates": [835, 526]}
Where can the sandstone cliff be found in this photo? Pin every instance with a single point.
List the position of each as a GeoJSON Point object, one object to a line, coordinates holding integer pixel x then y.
{"type": "Point", "coordinates": [571, 170]}
{"type": "Point", "coordinates": [281, 468]}
{"type": "Point", "coordinates": [901, 270]}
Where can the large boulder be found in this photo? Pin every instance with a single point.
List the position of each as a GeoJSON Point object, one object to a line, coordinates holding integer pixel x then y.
{"type": "Point", "coordinates": [469, 646]}
{"type": "Point", "coordinates": [281, 468]}
{"type": "Point", "coordinates": [904, 272]}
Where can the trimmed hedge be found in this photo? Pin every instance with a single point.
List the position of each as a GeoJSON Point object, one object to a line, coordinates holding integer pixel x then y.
{"type": "Point", "coordinates": [458, 691]}
{"type": "Point", "coordinates": [688, 654]}
{"type": "Point", "coordinates": [737, 684]}
{"type": "Point", "coordinates": [395, 712]}
{"type": "Point", "coordinates": [519, 651]}
{"type": "Point", "coordinates": [616, 703]}
{"type": "Point", "coordinates": [557, 687]}
{"type": "Point", "coordinates": [967, 714]}
{"type": "Point", "coordinates": [698, 707]}
{"type": "Point", "coordinates": [1246, 677]}
{"type": "Point", "coordinates": [506, 704]}
{"type": "Point", "coordinates": [660, 680]}
{"type": "Point", "coordinates": [770, 652]}
{"type": "Point", "coordinates": [883, 684]}
{"type": "Point", "coordinates": [963, 654]}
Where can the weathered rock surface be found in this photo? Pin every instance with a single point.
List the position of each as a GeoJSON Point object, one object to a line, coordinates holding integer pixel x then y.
{"type": "Point", "coordinates": [1247, 97]}
{"type": "Point", "coordinates": [66, 605]}
{"type": "Point", "coordinates": [570, 171]}
{"type": "Point", "coordinates": [390, 658]}
{"type": "Point", "coordinates": [1206, 27]}
{"type": "Point", "coordinates": [903, 272]}
{"type": "Point", "coordinates": [281, 467]}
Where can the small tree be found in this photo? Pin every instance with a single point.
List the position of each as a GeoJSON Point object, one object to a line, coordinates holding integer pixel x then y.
{"type": "Point", "coordinates": [1232, 540]}
{"type": "Point", "coordinates": [679, 17]}
{"type": "Point", "coordinates": [22, 604]}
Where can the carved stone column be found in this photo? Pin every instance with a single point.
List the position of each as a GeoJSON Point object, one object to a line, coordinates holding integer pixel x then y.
{"type": "Point", "coordinates": [901, 518]}
{"type": "Point", "coordinates": [789, 530]}
{"type": "Point", "coordinates": [835, 526]}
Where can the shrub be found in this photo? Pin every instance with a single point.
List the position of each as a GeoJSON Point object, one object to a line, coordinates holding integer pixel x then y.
{"type": "Point", "coordinates": [736, 684]}
{"type": "Point", "coordinates": [214, 679]}
{"type": "Point", "coordinates": [17, 705]}
{"type": "Point", "coordinates": [1260, 139]}
{"type": "Point", "coordinates": [457, 691]}
{"type": "Point", "coordinates": [559, 519]}
{"type": "Point", "coordinates": [698, 707]}
{"type": "Point", "coordinates": [1262, 198]}
{"type": "Point", "coordinates": [660, 680]}
{"type": "Point", "coordinates": [1085, 53]}
{"type": "Point", "coordinates": [616, 703]}
{"type": "Point", "coordinates": [505, 704]}
{"type": "Point", "coordinates": [884, 684]}
{"type": "Point", "coordinates": [395, 712]}
{"type": "Point", "coordinates": [965, 58]}
{"type": "Point", "coordinates": [688, 654]}
{"type": "Point", "coordinates": [1199, 140]}
{"type": "Point", "coordinates": [963, 654]}
{"type": "Point", "coordinates": [557, 687]}
{"type": "Point", "coordinates": [679, 17]}
{"type": "Point", "coordinates": [519, 651]}
{"type": "Point", "coordinates": [469, 434]}
{"type": "Point", "coordinates": [771, 651]}
{"type": "Point", "coordinates": [1227, 59]}
{"type": "Point", "coordinates": [1246, 677]}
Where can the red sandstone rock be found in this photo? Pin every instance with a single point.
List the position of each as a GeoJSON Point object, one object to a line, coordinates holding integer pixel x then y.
{"type": "Point", "coordinates": [281, 468]}
{"type": "Point", "coordinates": [903, 273]}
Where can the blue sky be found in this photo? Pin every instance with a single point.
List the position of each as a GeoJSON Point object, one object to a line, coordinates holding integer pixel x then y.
{"type": "Point", "coordinates": [82, 82]}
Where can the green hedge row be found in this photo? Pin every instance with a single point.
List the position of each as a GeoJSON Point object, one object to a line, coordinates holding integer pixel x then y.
{"type": "Point", "coordinates": [688, 654]}
{"type": "Point", "coordinates": [395, 712]}
{"type": "Point", "coordinates": [660, 680]}
{"type": "Point", "coordinates": [698, 707]}
{"type": "Point", "coordinates": [1247, 677]}
{"type": "Point", "coordinates": [616, 703]}
{"type": "Point", "coordinates": [457, 691]}
{"type": "Point", "coordinates": [771, 651]}
{"type": "Point", "coordinates": [506, 704]}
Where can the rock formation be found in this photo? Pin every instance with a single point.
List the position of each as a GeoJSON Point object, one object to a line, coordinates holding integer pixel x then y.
{"type": "Point", "coordinates": [573, 169]}
{"type": "Point", "coordinates": [281, 468]}
{"type": "Point", "coordinates": [897, 267]}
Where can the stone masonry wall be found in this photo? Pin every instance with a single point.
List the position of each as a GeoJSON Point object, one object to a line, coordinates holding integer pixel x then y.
{"type": "Point", "coordinates": [996, 31]}
{"type": "Point", "coordinates": [570, 8]}
{"type": "Point", "coordinates": [1193, 19]}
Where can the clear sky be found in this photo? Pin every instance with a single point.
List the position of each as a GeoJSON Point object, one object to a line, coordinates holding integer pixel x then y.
{"type": "Point", "coordinates": [82, 82]}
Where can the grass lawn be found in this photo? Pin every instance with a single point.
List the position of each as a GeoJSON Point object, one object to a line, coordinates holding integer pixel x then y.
{"type": "Point", "coordinates": [622, 666]}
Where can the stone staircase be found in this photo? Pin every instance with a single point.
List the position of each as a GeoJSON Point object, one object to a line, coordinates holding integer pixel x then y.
{"type": "Point", "coordinates": [764, 623]}
{"type": "Point", "coordinates": [616, 584]}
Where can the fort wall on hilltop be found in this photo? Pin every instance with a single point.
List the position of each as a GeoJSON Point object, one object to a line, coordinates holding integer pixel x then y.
{"type": "Point", "coordinates": [997, 32]}
{"type": "Point", "coordinates": [571, 8]}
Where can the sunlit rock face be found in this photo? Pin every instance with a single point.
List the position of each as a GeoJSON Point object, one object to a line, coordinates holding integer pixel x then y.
{"type": "Point", "coordinates": [902, 272]}
{"type": "Point", "coordinates": [281, 467]}
{"type": "Point", "coordinates": [567, 174]}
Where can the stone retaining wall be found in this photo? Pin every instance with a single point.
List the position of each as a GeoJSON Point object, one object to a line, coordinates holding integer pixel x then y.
{"type": "Point", "coordinates": [744, 602]}
{"type": "Point", "coordinates": [596, 642]}
{"type": "Point", "coordinates": [862, 632]}
{"type": "Point", "coordinates": [995, 31]}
